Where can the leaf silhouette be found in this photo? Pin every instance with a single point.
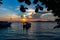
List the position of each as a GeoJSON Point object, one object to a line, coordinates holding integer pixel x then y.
{"type": "Point", "coordinates": [20, 1]}
{"type": "Point", "coordinates": [35, 1]}
{"type": "Point", "coordinates": [36, 10]}
{"type": "Point", "coordinates": [27, 2]}
{"type": "Point", "coordinates": [38, 7]}
{"type": "Point", "coordinates": [1, 3]}
{"type": "Point", "coordinates": [22, 8]}
{"type": "Point", "coordinates": [52, 5]}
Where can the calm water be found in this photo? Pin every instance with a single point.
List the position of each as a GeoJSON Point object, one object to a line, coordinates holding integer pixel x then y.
{"type": "Point", "coordinates": [37, 31]}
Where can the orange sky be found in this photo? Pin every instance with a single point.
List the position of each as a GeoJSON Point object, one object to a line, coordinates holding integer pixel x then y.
{"type": "Point", "coordinates": [30, 19]}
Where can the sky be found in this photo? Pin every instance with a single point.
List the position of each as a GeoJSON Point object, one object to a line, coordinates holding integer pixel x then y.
{"type": "Point", "coordinates": [10, 8]}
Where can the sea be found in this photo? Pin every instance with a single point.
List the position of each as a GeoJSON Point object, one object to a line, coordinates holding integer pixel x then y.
{"type": "Point", "coordinates": [37, 31]}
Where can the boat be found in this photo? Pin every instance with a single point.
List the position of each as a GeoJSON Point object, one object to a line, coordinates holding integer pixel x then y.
{"type": "Point", "coordinates": [26, 25]}
{"type": "Point", "coordinates": [4, 24]}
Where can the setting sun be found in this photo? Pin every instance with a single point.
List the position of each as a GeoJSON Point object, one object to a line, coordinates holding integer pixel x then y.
{"type": "Point", "coordinates": [24, 19]}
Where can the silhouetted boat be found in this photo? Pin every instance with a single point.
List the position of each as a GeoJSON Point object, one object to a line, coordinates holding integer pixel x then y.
{"type": "Point", "coordinates": [26, 25]}
{"type": "Point", "coordinates": [4, 24]}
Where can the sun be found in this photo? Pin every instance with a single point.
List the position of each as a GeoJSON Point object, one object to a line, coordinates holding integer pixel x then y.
{"type": "Point", "coordinates": [24, 19]}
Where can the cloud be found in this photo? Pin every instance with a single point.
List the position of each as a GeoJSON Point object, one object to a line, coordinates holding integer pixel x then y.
{"type": "Point", "coordinates": [41, 14]}
{"type": "Point", "coordinates": [5, 12]}
{"type": "Point", "coordinates": [36, 15]}
{"type": "Point", "coordinates": [47, 15]}
{"type": "Point", "coordinates": [30, 10]}
{"type": "Point", "coordinates": [45, 9]}
{"type": "Point", "coordinates": [3, 9]}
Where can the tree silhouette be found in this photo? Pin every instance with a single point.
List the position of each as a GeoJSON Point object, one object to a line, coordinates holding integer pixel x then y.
{"type": "Point", "coordinates": [22, 8]}
{"type": "Point", "coordinates": [38, 7]}
{"type": "Point", "coordinates": [55, 6]}
{"type": "Point", "coordinates": [20, 1]}
{"type": "Point", "coordinates": [50, 4]}
{"type": "Point", "coordinates": [27, 2]}
{"type": "Point", "coordinates": [35, 1]}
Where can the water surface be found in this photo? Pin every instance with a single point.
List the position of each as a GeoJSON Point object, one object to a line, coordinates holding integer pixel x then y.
{"type": "Point", "coordinates": [37, 31]}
